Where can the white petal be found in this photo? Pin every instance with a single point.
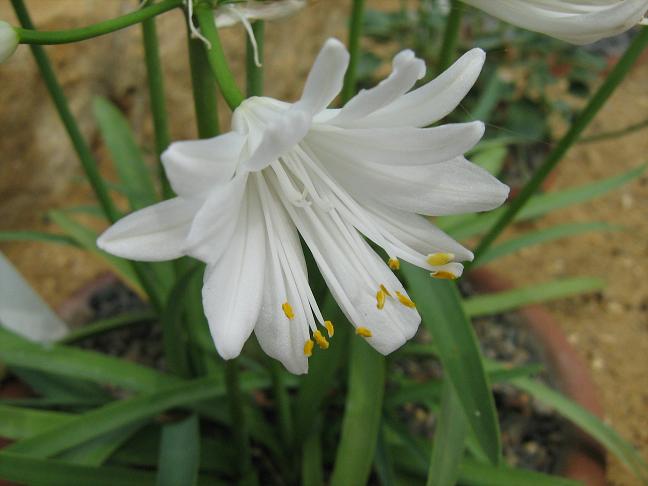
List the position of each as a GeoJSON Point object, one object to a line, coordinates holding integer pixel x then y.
{"type": "Point", "coordinates": [453, 187]}
{"type": "Point", "coordinates": [279, 137]}
{"type": "Point", "coordinates": [417, 231]}
{"type": "Point", "coordinates": [575, 21]}
{"type": "Point", "coordinates": [197, 165]}
{"type": "Point", "coordinates": [398, 146]}
{"type": "Point", "coordinates": [155, 233]}
{"type": "Point", "coordinates": [216, 220]}
{"type": "Point", "coordinates": [279, 337]}
{"type": "Point", "coordinates": [326, 77]}
{"type": "Point", "coordinates": [432, 101]}
{"type": "Point", "coordinates": [406, 70]}
{"type": "Point", "coordinates": [233, 286]}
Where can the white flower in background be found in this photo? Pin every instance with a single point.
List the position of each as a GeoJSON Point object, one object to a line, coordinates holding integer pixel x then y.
{"type": "Point", "coordinates": [232, 13]}
{"type": "Point", "coordinates": [575, 21]}
{"type": "Point", "coordinates": [333, 177]}
{"type": "Point", "coordinates": [8, 41]}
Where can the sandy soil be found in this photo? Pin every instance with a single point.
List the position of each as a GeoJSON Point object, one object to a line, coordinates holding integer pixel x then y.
{"type": "Point", "coordinates": [39, 171]}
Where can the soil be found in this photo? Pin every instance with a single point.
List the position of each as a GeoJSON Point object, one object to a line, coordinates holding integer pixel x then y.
{"type": "Point", "coordinates": [39, 171]}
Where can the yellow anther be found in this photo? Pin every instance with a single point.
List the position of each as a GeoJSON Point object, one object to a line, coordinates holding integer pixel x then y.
{"type": "Point", "coordinates": [329, 328]}
{"type": "Point", "coordinates": [320, 340]}
{"type": "Point", "coordinates": [405, 300]}
{"type": "Point", "coordinates": [437, 259]}
{"type": "Point", "coordinates": [363, 331]}
{"type": "Point", "coordinates": [442, 274]}
{"type": "Point", "coordinates": [308, 348]}
{"type": "Point", "coordinates": [384, 289]}
{"type": "Point", "coordinates": [288, 310]}
{"type": "Point", "coordinates": [394, 264]}
{"type": "Point", "coordinates": [380, 298]}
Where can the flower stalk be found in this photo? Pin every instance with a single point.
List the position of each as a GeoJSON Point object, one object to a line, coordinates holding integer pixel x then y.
{"type": "Point", "coordinates": [611, 83]}
{"type": "Point", "coordinates": [28, 35]}
{"type": "Point", "coordinates": [355, 33]}
{"type": "Point", "coordinates": [450, 36]}
{"type": "Point", "coordinates": [216, 57]}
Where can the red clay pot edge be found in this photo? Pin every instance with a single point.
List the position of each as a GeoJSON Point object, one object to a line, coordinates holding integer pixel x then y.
{"type": "Point", "coordinates": [585, 458]}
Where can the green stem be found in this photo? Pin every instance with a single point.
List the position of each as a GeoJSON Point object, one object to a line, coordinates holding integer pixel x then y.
{"type": "Point", "coordinates": [635, 127]}
{"type": "Point", "coordinates": [204, 90]}
{"type": "Point", "coordinates": [216, 57]}
{"type": "Point", "coordinates": [254, 73]}
{"type": "Point", "coordinates": [58, 97]}
{"type": "Point", "coordinates": [156, 96]}
{"type": "Point", "coordinates": [28, 35]}
{"type": "Point", "coordinates": [239, 424]}
{"type": "Point", "coordinates": [613, 80]}
{"type": "Point", "coordinates": [450, 36]}
{"type": "Point", "coordinates": [355, 32]}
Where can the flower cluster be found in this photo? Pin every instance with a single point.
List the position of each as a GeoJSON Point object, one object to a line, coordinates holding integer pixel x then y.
{"type": "Point", "coordinates": [334, 177]}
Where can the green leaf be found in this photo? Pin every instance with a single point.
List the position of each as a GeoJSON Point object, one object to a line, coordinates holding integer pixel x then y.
{"type": "Point", "coordinates": [476, 474]}
{"type": "Point", "coordinates": [498, 302]}
{"type": "Point", "coordinates": [102, 326]}
{"type": "Point", "coordinates": [449, 436]}
{"type": "Point", "coordinates": [40, 472]}
{"type": "Point", "coordinates": [19, 423]}
{"type": "Point", "coordinates": [86, 238]}
{"type": "Point", "coordinates": [133, 172]}
{"type": "Point", "coordinates": [540, 205]}
{"type": "Point", "coordinates": [121, 413]}
{"type": "Point", "coordinates": [442, 312]}
{"type": "Point", "coordinates": [38, 236]}
{"type": "Point", "coordinates": [383, 462]}
{"type": "Point", "coordinates": [491, 159]}
{"type": "Point", "coordinates": [98, 450]}
{"type": "Point", "coordinates": [312, 465]}
{"type": "Point", "coordinates": [179, 453]}
{"type": "Point", "coordinates": [542, 236]}
{"type": "Point", "coordinates": [362, 412]}
{"type": "Point", "coordinates": [589, 423]}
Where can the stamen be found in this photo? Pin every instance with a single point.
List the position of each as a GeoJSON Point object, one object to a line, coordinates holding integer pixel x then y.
{"type": "Point", "coordinates": [437, 259]}
{"type": "Point", "coordinates": [394, 263]}
{"type": "Point", "coordinates": [363, 331]}
{"type": "Point", "coordinates": [380, 298]}
{"type": "Point", "coordinates": [308, 348]}
{"type": "Point", "coordinates": [405, 300]}
{"type": "Point", "coordinates": [320, 340]}
{"type": "Point", "coordinates": [384, 289]}
{"type": "Point", "coordinates": [442, 274]}
{"type": "Point", "coordinates": [329, 328]}
{"type": "Point", "coordinates": [288, 310]}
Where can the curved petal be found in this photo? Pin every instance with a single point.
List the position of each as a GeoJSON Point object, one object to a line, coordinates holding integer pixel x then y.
{"type": "Point", "coordinates": [578, 22]}
{"type": "Point", "coordinates": [195, 166]}
{"type": "Point", "coordinates": [233, 286]}
{"type": "Point", "coordinates": [155, 233]}
{"type": "Point", "coordinates": [398, 146]}
{"type": "Point", "coordinates": [216, 220]}
{"type": "Point", "coordinates": [406, 70]}
{"type": "Point", "coordinates": [432, 101]}
{"type": "Point", "coordinates": [326, 77]}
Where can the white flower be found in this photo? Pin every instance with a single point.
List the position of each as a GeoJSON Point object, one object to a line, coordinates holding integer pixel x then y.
{"type": "Point", "coordinates": [333, 177]}
{"type": "Point", "coordinates": [8, 41]}
{"type": "Point", "coordinates": [575, 21]}
{"type": "Point", "coordinates": [232, 13]}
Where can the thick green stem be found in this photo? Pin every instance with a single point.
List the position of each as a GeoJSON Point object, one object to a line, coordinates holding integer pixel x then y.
{"type": "Point", "coordinates": [216, 57]}
{"type": "Point", "coordinates": [204, 90]}
{"type": "Point", "coordinates": [28, 35]}
{"type": "Point", "coordinates": [613, 80]}
{"type": "Point", "coordinates": [239, 424]}
{"type": "Point", "coordinates": [156, 96]}
{"type": "Point", "coordinates": [450, 36]}
{"type": "Point", "coordinates": [355, 32]}
{"type": "Point", "coordinates": [254, 73]}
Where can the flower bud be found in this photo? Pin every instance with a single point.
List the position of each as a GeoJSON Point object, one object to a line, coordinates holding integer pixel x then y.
{"type": "Point", "coordinates": [8, 40]}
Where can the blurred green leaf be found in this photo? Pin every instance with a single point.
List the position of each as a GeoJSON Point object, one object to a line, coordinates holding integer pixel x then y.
{"type": "Point", "coordinates": [97, 451]}
{"type": "Point", "coordinates": [38, 236]}
{"type": "Point", "coordinates": [491, 159]}
{"type": "Point", "coordinates": [498, 302]}
{"type": "Point", "coordinates": [102, 326]}
{"type": "Point", "coordinates": [312, 465]}
{"type": "Point", "coordinates": [440, 307]}
{"type": "Point", "coordinates": [383, 463]}
{"type": "Point", "coordinates": [19, 423]}
{"type": "Point", "coordinates": [179, 453]}
{"type": "Point", "coordinates": [475, 474]}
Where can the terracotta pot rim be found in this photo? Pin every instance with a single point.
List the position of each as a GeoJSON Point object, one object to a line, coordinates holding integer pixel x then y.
{"type": "Point", "coordinates": [584, 459]}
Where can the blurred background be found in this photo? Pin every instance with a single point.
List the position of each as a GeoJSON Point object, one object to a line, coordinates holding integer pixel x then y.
{"type": "Point", "coordinates": [529, 90]}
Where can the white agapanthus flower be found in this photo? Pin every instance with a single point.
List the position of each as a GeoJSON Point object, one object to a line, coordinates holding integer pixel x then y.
{"type": "Point", "coordinates": [232, 13]}
{"type": "Point", "coordinates": [333, 177]}
{"type": "Point", "coordinates": [575, 21]}
{"type": "Point", "coordinates": [8, 40]}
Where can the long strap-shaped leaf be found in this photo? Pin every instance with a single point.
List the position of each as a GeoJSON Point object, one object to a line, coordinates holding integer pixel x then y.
{"type": "Point", "coordinates": [440, 306]}
{"type": "Point", "coordinates": [362, 413]}
{"type": "Point", "coordinates": [179, 453]}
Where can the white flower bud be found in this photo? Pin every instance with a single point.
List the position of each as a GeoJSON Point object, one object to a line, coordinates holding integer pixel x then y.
{"type": "Point", "coordinates": [8, 41]}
